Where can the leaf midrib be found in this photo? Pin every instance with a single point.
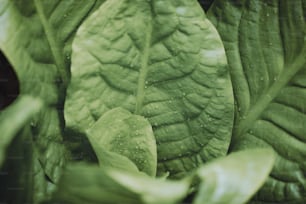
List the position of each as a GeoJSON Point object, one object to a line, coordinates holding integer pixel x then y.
{"type": "Point", "coordinates": [53, 43]}
{"type": "Point", "coordinates": [141, 85]}
{"type": "Point", "coordinates": [248, 120]}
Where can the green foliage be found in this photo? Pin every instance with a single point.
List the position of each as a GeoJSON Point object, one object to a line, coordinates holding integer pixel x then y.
{"type": "Point", "coordinates": [83, 183]}
{"type": "Point", "coordinates": [266, 51]}
{"type": "Point", "coordinates": [162, 60]}
{"type": "Point", "coordinates": [234, 179]}
{"type": "Point", "coordinates": [160, 91]}
{"type": "Point", "coordinates": [131, 136]}
{"type": "Point", "coordinates": [20, 117]}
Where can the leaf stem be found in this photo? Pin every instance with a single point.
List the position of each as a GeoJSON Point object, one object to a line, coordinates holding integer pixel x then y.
{"type": "Point", "coordinates": [271, 94]}
{"type": "Point", "coordinates": [54, 45]}
{"type": "Point", "coordinates": [143, 70]}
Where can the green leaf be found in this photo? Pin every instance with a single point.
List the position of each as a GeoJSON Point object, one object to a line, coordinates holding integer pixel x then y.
{"type": "Point", "coordinates": [109, 159]}
{"type": "Point", "coordinates": [266, 49]}
{"type": "Point", "coordinates": [235, 178]}
{"type": "Point", "coordinates": [118, 131]}
{"type": "Point", "coordinates": [36, 38]}
{"type": "Point", "coordinates": [83, 183]}
{"type": "Point", "coordinates": [153, 190]}
{"type": "Point", "coordinates": [162, 60]}
{"type": "Point", "coordinates": [14, 118]}
{"type": "Point", "coordinates": [22, 178]}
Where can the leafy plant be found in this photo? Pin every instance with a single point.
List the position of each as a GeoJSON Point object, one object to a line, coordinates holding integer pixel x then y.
{"type": "Point", "coordinates": [269, 89]}
{"type": "Point", "coordinates": [132, 101]}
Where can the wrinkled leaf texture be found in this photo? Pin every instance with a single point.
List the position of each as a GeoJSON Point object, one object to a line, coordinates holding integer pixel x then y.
{"type": "Point", "coordinates": [36, 38]}
{"type": "Point", "coordinates": [266, 51]}
{"type": "Point", "coordinates": [160, 59]}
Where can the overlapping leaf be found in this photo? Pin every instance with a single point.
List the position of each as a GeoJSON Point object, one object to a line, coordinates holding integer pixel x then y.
{"type": "Point", "coordinates": [20, 171]}
{"type": "Point", "coordinates": [122, 140]}
{"type": "Point", "coordinates": [83, 183]}
{"type": "Point", "coordinates": [162, 60]}
{"type": "Point", "coordinates": [235, 178]}
{"type": "Point", "coordinates": [266, 50]}
{"type": "Point", "coordinates": [36, 38]}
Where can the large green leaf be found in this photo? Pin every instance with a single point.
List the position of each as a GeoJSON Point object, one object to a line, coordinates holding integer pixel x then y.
{"type": "Point", "coordinates": [131, 136]}
{"type": "Point", "coordinates": [266, 50]}
{"type": "Point", "coordinates": [162, 60]}
{"type": "Point", "coordinates": [234, 179]}
{"type": "Point", "coordinates": [90, 184]}
{"type": "Point", "coordinates": [36, 38]}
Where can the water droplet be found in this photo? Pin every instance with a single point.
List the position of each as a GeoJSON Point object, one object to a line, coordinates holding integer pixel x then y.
{"type": "Point", "coordinates": [261, 78]}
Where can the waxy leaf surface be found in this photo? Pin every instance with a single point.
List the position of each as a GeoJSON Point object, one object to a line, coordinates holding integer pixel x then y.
{"type": "Point", "coordinates": [36, 38]}
{"type": "Point", "coordinates": [131, 136]}
{"type": "Point", "coordinates": [266, 51]}
{"type": "Point", "coordinates": [162, 60]}
{"type": "Point", "coordinates": [91, 184]}
{"type": "Point", "coordinates": [234, 179]}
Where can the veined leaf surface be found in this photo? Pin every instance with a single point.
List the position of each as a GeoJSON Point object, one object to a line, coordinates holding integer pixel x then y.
{"type": "Point", "coordinates": [266, 50]}
{"type": "Point", "coordinates": [162, 60]}
{"type": "Point", "coordinates": [36, 38]}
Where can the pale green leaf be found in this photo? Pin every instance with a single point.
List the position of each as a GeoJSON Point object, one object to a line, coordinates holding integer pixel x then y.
{"type": "Point", "coordinates": [234, 179]}
{"type": "Point", "coordinates": [36, 38]}
{"type": "Point", "coordinates": [152, 191]}
{"type": "Point", "coordinates": [131, 136]}
{"type": "Point", "coordinates": [22, 178]}
{"type": "Point", "coordinates": [266, 50]}
{"type": "Point", "coordinates": [14, 119]}
{"type": "Point", "coordinates": [162, 60]}
{"type": "Point", "coordinates": [109, 159]}
{"type": "Point", "coordinates": [92, 184]}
